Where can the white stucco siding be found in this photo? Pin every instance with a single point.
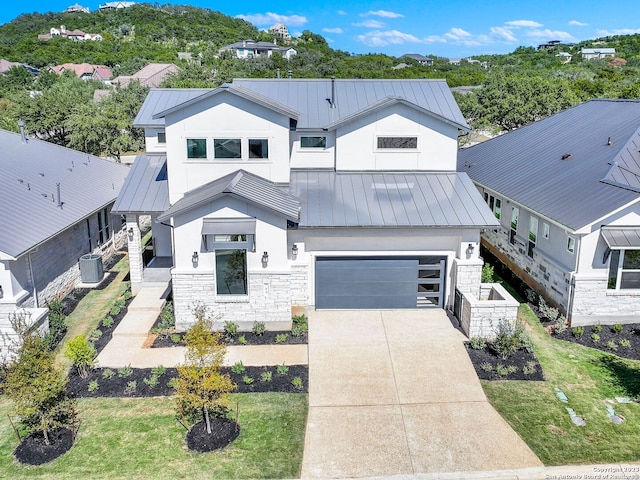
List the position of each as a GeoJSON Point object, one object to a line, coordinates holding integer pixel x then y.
{"type": "Point", "coordinates": [356, 142]}
{"type": "Point", "coordinates": [313, 157]}
{"type": "Point", "coordinates": [151, 140]}
{"type": "Point", "coordinates": [224, 116]}
{"type": "Point", "coordinates": [161, 238]}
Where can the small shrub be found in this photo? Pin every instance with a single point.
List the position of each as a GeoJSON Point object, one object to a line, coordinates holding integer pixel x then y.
{"type": "Point", "coordinates": [282, 369]}
{"type": "Point", "coordinates": [560, 324]}
{"type": "Point", "coordinates": [611, 345]}
{"type": "Point", "coordinates": [173, 383]}
{"type": "Point", "coordinates": [503, 371]}
{"type": "Point", "coordinates": [299, 319]}
{"type": "Point", "coordinates": [176, 338]}
{"type": "Point", "coordinates": [617, 328]}
{"type": "Point", "coordinates": [127, 295]}
{"type": "Point", "coordinates": [625, 343]}
{"type": "Point", "coordinates": [595, 337]}
{"type": "Point", "coordinates": [152, 381]}
{"type": "Point", "coordinates": [166, 323]}
{"type": "Point", "coordinates": [299, 329]}
{"type": "Point", "coordinates": [247, 380]}
{"type": "Point", "coordinates": [108, 374]}
{"type": "Point", "coordinates": [530, 368]}
{"type": "Point", "coordinates": [131, 387]}
{"type": "Point", "coordinates": [107, 322]}
{"type": "Point", "coordinates": [487, 273]}
{"type": "Point", "coordinates": [120, 303]}
{"type": "Point", "coordinates": [115, 310]}
{"type": "Point", "coordinates": [82, 353]}
{"type": "Point", "coordinates": [597, 328]}
{"type": "Point", "coordinates": [577, 331]}
{"type": "Point", "coordinates": [297, 383]}
{"type": "Point", "coordinates": [158, 371]}
{"type": "Point", "coordinates": [258, 328]}
{"type": "Point", "coordinates": [242, 340]}
{"type": "Point", "coordinates": [510, 338]}
{"type": "Point", "coordinates": [266, 376]}
{"type": "Point", "coordinates": [126, 371]}
{"type": "Point", "coordinates": [478, 343]}
{"type": "Point", "coordinates": [281, 337]}
{"type": "Point", "coordinates": [238, 368]}
{"type": "Point", "coordinates": [230, 329]}
{"type": "Point", "coordinates": [93, 386]}
{"type": "Point", "coordinates": [95, 335]}
{"type": "Point", "coordinates": [532, 296]}
{"type": "Point", "coordinates": [486, 366]}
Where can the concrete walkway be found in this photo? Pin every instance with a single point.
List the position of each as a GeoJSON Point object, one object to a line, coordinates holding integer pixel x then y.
{"type": "Point", "coordinates": [126, 346]}
{"type": "Point", "coordinates": [394, 393]}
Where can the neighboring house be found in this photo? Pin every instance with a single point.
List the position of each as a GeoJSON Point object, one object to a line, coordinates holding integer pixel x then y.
{"type": "Point", "coordinates": [597, 53]}
{"type": "Point", "coordinates": [115, 5]}
{"type": "Point", "coordinates": [253, 49]}
{"type": "Point", "coordinates": [6, 65]}
{"type": "Point", "coordinates": [564, 57]}
{"type": "Point", "coordinates": [76, 8]}
{"type": "Point", "coordinates": [271, 196]}
{"type": "Point", "coordinates": [421, 59]}
{"type": "Point", "coordinates": [102, 74]}
{"type": "Point", "coordinates": [454, 61]}
{"type": "Point", "coordinates": [57, 207]}
{"type": "Point", "coordinates": [280, 31]}
{"type": "Point", "coordinates": [567, 192]}
{"type": "Point", "coordinates": [400, 66]}
{"type": "Point", "coordinates": [473, 61]}
{"type": "Point", "coordinates": [548, 45]}
{"type": "Point", "coordinates": [76, 35]}
{"type": "Point", "coordinates": [84, 71]}
{"type": "Point", "coordinates": [151, 75]}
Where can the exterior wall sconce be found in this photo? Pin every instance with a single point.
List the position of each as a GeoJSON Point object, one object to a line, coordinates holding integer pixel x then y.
{"type": "Point", "coordinates": [294, 250]}
{"type": "Point", "coordinates": [265, 259]}
{"type": "Point", "coordinates": [195, 259]}
{"type": "Point", "coordinates": [470, 249]}
{"type": "Point", "coordinates": [130, 233]}
{"type": "Point", "coordinates": [1, 292]}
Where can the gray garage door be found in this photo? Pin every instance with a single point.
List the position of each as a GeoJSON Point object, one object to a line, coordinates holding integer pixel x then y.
{"type": "Point", "coordinates": [379, 282]}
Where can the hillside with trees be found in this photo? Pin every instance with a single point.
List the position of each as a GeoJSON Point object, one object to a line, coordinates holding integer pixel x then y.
{"type": "Point", "coordinates": [514, 89]}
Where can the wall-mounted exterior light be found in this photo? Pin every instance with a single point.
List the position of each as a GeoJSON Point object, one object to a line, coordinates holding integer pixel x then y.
{"type": "Point", "coordinates": [265, 259]}
{"type": "Point", "coordinates": [130, 233]}
{"type": "Point", "coordinates": [294, 250]}
{"type": "Point", "coordinates": [470, 249]}
{"type": "Point", "coordinates": [194, 259]}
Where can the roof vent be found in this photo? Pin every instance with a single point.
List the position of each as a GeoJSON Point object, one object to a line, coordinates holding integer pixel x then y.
{"type": "Point", "coordinates": [609, 141]}
{"type": "Point", "coordinates": [566, 156]}
{"type": "Point", "coordinates": [22, 134]}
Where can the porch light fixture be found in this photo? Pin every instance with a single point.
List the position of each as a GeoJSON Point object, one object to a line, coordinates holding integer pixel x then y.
{"type": "Point", "coordinates": [194, 259]}
{"type": "Point", "coordinates": [470, 249]}
{"type": "Point", "coordinates": [294, 250]}
{"type": "Point", "coordinates": [130, 232]}
{"type": "Point", "coordinates": [265, 259]}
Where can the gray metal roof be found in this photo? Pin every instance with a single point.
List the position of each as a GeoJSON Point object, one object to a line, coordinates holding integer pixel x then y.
{"type": "Point", "coordinates": [243, 184]}
{"type": "Point", "coordinates": [145, 190]}
{"type": "Point", "coordinates": [159, 99]}
{"type": "Point", "coordinates": [29, 173]}
{"type": "Point", "coordinates": [308, 100]}
{"type": "Point", "coordinates": [527, 165]}
{"type": "Point", "coordinates": [621, 237]}
{"type": "Point", "coordinates": [386, 199]}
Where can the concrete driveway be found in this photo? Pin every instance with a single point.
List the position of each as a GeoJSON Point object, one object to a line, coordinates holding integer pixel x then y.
{"type": "Point", "coordinates": [394, 393]}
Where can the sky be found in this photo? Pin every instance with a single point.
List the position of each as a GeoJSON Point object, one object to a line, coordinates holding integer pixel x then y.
{"type": "Point", "coordinates": [453, 28]}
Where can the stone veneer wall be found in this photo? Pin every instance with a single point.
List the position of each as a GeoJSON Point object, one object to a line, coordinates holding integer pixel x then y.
{"type": "Point", "coordinates": [594, 303]}
{"type": "Point", "coordinates": [269, 300]}
{"type": "Point", "coordinates": [136, 267]}
{"type": "Point", "coordinates": [468, 275]}
{"type": "Point", "coordinates": [300, 285]}
{"type": "Point", "coordinates": [480, 316]}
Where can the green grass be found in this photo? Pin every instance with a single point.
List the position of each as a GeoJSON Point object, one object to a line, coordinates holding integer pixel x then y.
{"type": "Point", "coordinates": [588, 377]}
{"type": "Point", "coordinates": [141, 439]}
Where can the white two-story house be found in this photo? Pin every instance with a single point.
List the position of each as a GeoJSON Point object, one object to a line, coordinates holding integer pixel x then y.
{"type": "Point", "coordinates": [271, 195]}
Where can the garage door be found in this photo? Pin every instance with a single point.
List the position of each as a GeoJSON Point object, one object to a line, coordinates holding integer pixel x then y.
{"type": "Point", "coordinates": [379, 282]}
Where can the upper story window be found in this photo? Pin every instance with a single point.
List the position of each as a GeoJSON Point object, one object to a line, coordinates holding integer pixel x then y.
{"type": "Point", "coordinates": [196, 148]}
{"type": "Point", "coordinates": [227, 148]}
{"type": "Point", "coordinates": [313, 142]}
{"type": "Point", "coordinates": [533, 235]}
{"type": "Point", "coordinates": [624, 270]}
{"type": "Point", "coordinates": [571, 244]}
{"type": "Point", "coordinates": [515, 212]}
{"type": "Point", "coordinates": [258, 148]}
{"type": "Point", "coordinates": [397, 142]}
{"type": "Point", "coordinates": [495, 204]}
{"type": "Point", "coordinates": [162, 137]}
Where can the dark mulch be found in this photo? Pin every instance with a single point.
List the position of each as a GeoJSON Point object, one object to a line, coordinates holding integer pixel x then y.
{"type": "Point", "coordinates": [107, 332]}
{"type": "Point", "coordinates": [117, 386]}
{"type": "Point", "coordinates": [34, 451]}
{"type": "Point", "coordinates": [519, 360]}
{"type": "Point", "coordinates": [267, 338]}
{"type": "Point", "coordinates": [630, 332]}
{"type": "Point", "coordinates": [223, 432]}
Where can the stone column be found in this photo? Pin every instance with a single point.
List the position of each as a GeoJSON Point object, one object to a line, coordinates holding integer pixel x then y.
{"type": "Point", "coordinates": [134, 242]}
{"type": "Point", "coordinates": [468, 276]}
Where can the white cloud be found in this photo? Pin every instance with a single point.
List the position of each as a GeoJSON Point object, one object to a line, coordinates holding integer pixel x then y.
{"type": "Point", "coordinates": [370, 24]}
{"type": "Point", "coordinates": [547, 34]}
{"type": "Point", "coordinates": [457, 34]}
{"type": "Point", "coordinates": [503, 33]}
{"type": "Point", "coordinates": [382, 38]}
{"type": "Point", "coordinates": [577, 23]}
{"type": "Point", "coordinates": [333, 30]}
{"type": "Point", "coordinates": [381, 13]}
{"type": "Point", "coordinates": [618, 31]}
{"type": "Point", "coordinates": [524, 23]}
{"type": "Point", "coordinates": [270, 18]}
{"type": "Point", "coordinates": [341, 12]}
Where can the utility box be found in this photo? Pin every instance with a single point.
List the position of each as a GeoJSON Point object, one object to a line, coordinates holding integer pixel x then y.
{"type": "Point", "coordinates": [91, 269]}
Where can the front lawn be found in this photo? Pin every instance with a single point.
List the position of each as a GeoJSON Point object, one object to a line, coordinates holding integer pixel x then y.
{"type": "Point", "coordinates": [589, 378]}
{"type": "Point", "coordinates": [139, 438]}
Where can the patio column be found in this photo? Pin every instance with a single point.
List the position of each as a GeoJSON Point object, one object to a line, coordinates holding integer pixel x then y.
{"type": "Point", "coordinates": [134, 242]}
{"type": "Point", "coordinates": [468, 275]}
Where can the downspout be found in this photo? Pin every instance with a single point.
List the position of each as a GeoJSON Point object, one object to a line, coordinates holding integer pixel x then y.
{"type": "Point", "coordinates": [33, 281]}
{"type": "Point", "coordinates": [572, 281]}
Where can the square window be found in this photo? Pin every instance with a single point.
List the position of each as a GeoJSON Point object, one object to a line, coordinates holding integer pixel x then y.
{"type": "Point", "coordinates": [545, 231]}
{"type": "Point", "coordinates": [313, 142]}
{"type": "Point", "coordinates": [258, 148]}
{"type": "Point", "coordinates": [571, 245]}
{"type": "Point", "coordinates": [196, 148]}
{"type": "Point", "coordinates": [397, 142]}
{"type": "Point", "coordinates": [162, 137]}
{"type": "Point", "coordinates": [227, 148]}
{"type": "Point", "coordinates": [231, 272]}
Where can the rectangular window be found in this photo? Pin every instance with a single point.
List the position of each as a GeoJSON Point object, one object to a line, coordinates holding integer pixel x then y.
{"type": "Point", "coordinates": [258, 148]}
{"type": "Point", "coordinates": [196, 148]}
{"type": "Point", "coordinates": [103, 226]}
{"type": "Point", "coordinates": [533, 235]}
{"type": "Point", "coordinates": [313, 142]}
{"type": "Point", "coordinates": [515, 212]}
{"type": "Point", "coordinates": [231, 272]}
{"type": "Point", "coordinates": [397, 142]}
{"type": "Point", "coordinates": [227, 148]}
{"type": "Point", "coordinates": [545, 231]}
{"type": "Point", "coordinates": [571, 245]}
{"type": "Point", "coordinates": [495, 204]}
{"type": "Point", "coordinates": [498, 208]}
{"type": "Point", "coordinates": [162, 137]}
{"type": "Point", "coordinates": [624, 270]}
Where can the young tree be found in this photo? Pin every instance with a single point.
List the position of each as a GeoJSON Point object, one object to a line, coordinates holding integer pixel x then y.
{"type": "Point", "coordinates": [201, 386]}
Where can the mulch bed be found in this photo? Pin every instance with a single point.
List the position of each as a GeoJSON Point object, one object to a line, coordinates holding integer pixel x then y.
{"type": "Point", "coordinates": [519, 360]}
{"type": "Point", "coordinates": [34, 451]}
{"type": "Point", "coordinates": [267, 338]}
{"type": "Point", "coordinates": [107, 332]}
{"type": "Point", "coordinates": [630, 332]}
{"type": "Point", "coordinates": [78, 387]}
{"type": "Point", "coordinates": [223, 432]}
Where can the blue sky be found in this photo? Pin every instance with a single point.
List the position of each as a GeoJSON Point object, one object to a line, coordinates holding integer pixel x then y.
{"type": "Point", "coordinates": [452, 28]}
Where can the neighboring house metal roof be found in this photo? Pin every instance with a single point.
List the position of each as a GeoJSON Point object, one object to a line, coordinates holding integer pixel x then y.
{"type": "Point", "coordinates": [389, 199]}
{"type": "Point", "coordinates": [159, 99]}
{"type": "Point", "coordinates": [417, 57]}
{"type": "Point", "coordinates": [320, 103]}
{"type": "Point", "coordinates": [573, 167]}
{"type": "Point", "coordinates": [29, 174]}
{"type": "Point", "coordinates": [145, 190]}
{"type": "Point", "coordinates": [248, 186]}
